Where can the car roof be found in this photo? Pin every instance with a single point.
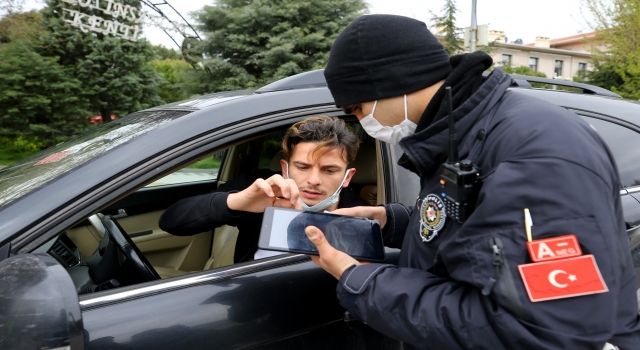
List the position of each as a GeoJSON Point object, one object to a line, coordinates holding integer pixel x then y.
{"type": "Point", "coordinates": [617, 108]}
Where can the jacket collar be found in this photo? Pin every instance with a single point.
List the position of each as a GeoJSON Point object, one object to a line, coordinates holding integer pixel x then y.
{"type": "Point", "coordinates": [426, 150]}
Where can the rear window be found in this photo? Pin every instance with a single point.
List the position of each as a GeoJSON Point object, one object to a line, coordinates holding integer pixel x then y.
{"type": "Point", "coordinates": [37, 170]}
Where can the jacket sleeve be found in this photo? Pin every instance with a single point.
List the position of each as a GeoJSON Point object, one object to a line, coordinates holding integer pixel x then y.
{"type": "Point", "coordinates": [426, 311]}
{"type": "Point", "coordinates": [205, 212]}
{"type": "Point", "coordinates": [398, 216]}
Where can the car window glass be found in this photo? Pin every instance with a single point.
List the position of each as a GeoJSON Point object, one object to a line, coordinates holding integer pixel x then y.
{"type": "Point", "coordinates": [206, 169]}
{"type": "Point", "coordinates": [620, 141]}
{"type": "Point", "coordinates": [32, 172]}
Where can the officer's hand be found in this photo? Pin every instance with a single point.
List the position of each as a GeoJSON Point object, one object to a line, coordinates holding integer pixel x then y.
{"type": "Point", "coordinates": [331, 260]}
{"type": "Point", "coordinates": [378, 213]}
{"type": "Point", "coordinates": [275, 191]}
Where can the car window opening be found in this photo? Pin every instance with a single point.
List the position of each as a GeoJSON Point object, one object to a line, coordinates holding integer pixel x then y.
{"type": "Point", "coordinates": [100, 263]}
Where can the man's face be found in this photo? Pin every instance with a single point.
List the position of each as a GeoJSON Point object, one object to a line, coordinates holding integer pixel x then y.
{"type": "Point", "coordinates": [316, 180]}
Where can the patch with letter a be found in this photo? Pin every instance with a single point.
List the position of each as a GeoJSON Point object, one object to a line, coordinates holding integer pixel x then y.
{"type": "Point", "coordinates": [432, 217]}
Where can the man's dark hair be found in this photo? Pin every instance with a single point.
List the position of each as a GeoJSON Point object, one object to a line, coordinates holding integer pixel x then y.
{"type": "Point", "coordinates": [328, 133]}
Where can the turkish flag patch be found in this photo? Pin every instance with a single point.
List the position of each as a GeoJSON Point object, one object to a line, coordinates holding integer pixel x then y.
{"type": "Point", "coordinates": [563, 278]}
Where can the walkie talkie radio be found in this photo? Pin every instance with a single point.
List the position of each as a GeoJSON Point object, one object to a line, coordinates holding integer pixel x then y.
{"type": "Point", "coordinates": [460, 179]}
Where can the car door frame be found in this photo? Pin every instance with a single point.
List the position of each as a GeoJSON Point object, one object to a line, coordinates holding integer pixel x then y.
{"type": "Point", "coordinates": [164, 162]}
{"type": "Point", "coordinates": [160, 165]}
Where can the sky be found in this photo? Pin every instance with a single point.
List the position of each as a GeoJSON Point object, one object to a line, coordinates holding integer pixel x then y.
{"type": "Point", "coordinates": [518, 19]}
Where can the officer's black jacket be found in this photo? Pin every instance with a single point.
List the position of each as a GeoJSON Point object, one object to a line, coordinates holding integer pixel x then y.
{"type": "Point", "coordinates": [534, 155]}
{"type": "Point", "coordinates": [205, 212]}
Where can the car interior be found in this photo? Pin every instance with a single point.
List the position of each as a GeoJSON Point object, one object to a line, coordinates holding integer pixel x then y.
{"type": "Point", "coordinates": [96, 262]}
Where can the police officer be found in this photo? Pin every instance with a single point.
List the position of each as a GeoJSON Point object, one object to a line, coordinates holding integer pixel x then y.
{"type": "Point", "coordinates": [458, 285]}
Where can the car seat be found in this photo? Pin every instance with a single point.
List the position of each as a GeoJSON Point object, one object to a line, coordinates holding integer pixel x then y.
{"type": "Point", "coordinates": [364, 182]}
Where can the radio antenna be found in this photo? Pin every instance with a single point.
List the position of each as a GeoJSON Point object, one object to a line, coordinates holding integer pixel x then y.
{"type": "Point", "coordinates": [453, 142]}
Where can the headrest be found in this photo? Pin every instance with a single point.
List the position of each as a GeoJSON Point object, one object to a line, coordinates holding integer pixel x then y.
{"type": "Point", "coordinates": [365, 164]}
{"type": "Point", "coordinates": [275, 162]}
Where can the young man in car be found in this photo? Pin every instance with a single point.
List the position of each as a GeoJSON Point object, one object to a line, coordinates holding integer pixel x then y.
{"type": "Point", "coordinates": [461, 284]}
{"type": "Point", "coordinates": [315, 176]}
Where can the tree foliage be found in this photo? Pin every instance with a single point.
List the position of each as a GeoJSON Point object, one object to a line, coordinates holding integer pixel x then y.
{"type": "Point", "coordinates": [166, 53]}
{"type": "Point", "coordinates": [522, 70]}
{"type": "Point", "coordinates": [446, 26]}
{"type": "Point", "coordinates": [115, 73]}
{"type": "Point", "coordinates": [252, 43]}
{"type": "Point", "coordinates": [53, 76]}
{"type": "Point", "coordinates": [39, 99]}
{"type": "Point", "coordinates": [617, 67]}
{"type": "Point", "coordinates": [173, 72]}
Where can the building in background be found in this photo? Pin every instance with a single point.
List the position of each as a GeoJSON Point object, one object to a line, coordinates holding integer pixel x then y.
{"type": "Point", "coordinates": [560, 58]}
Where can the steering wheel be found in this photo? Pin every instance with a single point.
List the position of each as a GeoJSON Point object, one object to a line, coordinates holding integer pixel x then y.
{"type": "Point", "coordinates": [129, 249]}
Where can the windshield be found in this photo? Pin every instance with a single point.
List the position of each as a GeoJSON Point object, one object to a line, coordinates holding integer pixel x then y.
{"type": "Point", "coordinates": [35, 171]}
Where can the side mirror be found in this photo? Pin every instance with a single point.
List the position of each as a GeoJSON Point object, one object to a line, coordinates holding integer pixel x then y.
{"type": "Point", "coordinates": [39, 307]}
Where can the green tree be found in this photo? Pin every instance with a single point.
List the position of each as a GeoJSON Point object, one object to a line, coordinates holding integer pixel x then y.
{"type": "Point", "coordinates": [39, 99]}
{"type": "Point", "coordinates": [446, 26]}
{"type": "Point", "coordinates": [20, 27]}
{"type": "Point", "coordinates": [603, 75]}
{"type": "Point", "coordinates": [617, 66]}
{"type": "Point", "coordinates": [115, 73]}
{"type": "Point", "coordinates": [173, 74]}
{"type": "Point", "coordinates": [166, 53]}
{"type": "Point", "coordinates": [522, 70]}
{"type": "Point", "coordinates": [252, 43]}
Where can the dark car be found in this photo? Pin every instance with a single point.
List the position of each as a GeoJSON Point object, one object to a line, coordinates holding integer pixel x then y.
{"type": "Point", "coordinates": [85, 265]}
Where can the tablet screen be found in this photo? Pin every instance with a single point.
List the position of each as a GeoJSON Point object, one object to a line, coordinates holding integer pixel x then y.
{"type": "Point", "coordinates": [283, 230]}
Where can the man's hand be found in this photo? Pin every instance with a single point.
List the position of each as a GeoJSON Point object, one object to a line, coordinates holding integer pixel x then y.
{"type": "Point", "coordinates": [379, 213]}
{"type": "Point", "coordinates": [331, 260]}
{"type": "Point", "coordinates": [275, 191]}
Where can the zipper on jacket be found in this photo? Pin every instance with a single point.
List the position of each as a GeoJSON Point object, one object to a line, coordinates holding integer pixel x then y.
{"type": "Point", "coordinates": [503, 275]}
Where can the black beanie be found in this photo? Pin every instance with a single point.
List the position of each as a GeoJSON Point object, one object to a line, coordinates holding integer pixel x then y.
{"type": "Point", "coordinates": [382, 56]}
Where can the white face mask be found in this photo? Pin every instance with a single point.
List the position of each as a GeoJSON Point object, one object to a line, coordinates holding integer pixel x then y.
{"type": "Point", "coordinates": [388, 134]}
{"type": "Point", "coordinates": [326, 203]}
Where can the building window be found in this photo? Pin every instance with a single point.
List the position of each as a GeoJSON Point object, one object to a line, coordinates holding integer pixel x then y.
{"type": "Point", "coordinates": [582, 66]}
{"type": "Point", "coordinates": [506, 60]}
{"type": "Point", "coordinates": [533, 63]}
{"type": "Point", "coordinates": [558, 68]}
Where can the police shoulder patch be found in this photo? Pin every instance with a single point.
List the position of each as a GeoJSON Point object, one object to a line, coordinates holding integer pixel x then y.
{"type": "Point", "coordinates": [432, 217]}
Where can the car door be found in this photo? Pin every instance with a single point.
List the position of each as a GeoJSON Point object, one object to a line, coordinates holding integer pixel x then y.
{"type": "Point", "coordinates": [280, 302]}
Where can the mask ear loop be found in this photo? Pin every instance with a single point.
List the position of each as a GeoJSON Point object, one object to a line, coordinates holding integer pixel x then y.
{"type": "Point", "coordinates": [374, 107]}
{"type": "Point", "coordinates": [405, 108]}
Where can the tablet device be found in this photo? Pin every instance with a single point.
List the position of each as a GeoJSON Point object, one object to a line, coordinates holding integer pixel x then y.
{"type": "Point", "coordinates": [283, 230]}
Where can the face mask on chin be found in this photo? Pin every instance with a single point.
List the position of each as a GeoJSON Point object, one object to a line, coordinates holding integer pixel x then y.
{"type": "Point", "coordinates": [327, 202]}
{"type": "Point", "coordinates": [388, 134]}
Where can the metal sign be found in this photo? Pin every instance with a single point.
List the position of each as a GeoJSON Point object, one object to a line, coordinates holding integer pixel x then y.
{"type": "Point", "coordinates": [115, 13]}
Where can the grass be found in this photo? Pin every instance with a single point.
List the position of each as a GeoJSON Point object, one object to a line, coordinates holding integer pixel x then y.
{"type": "Point", "coordinates": [15, 149]}
{"type": "Point", "coordinates": [207, 163]}
{"type": "Point", "coordinates": [8, 157]}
